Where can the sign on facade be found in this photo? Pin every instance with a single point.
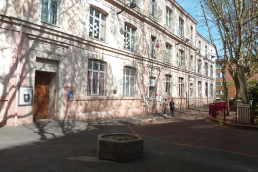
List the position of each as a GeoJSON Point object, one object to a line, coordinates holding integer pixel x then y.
{"type": "Point", "coordinates": [25, 95]}
{"type": "Point", "coordinates": [69, 95]}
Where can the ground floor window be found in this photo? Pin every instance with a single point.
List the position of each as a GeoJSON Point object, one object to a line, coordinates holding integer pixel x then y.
{"type": "Point", "coordinates": [181, 86]}
{"type": "Point", "coordinates": [167, 84]}
{"type": "Point", "coordinates": [129, 74]}
{"type": "Point", "coordinates": [96, 77]}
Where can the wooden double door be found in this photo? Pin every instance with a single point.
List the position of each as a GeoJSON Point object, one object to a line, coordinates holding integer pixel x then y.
{"type": "Point", "coordinates": [41, 95]}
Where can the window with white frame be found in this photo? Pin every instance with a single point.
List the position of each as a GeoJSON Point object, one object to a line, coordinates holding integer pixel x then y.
{"type": "Point", "coordinates": [96, 77]}
{"type": "Point", "coordinates": [191, 63]}
{"type": "Point", "coordinates": [180, 58]}
{"type": "Point", "coordinates": [97, 24]}
{"type": "Point", "coordinates": [199, 66]}
{"type": "Point", "coordinates": [206, 89]}
{"type": "Point", "coordinates": [181, 27]}
{"type": "Point", "coordinates": [152, 82]}
{"type": "Point", "coordinates": [199, 88]}
{"type": "Point", "coordinates": [153, 8]}
{"type": "Point", "coordinates": [168, 53]}
{"type": "Point", "coordinates": [49, 11]}
{"type": "Point", "coordinates": [167, 84]}
{"type": "Point", "coordinates": [219, 92]}
{"type": "Point", "coordinates": [218, 83]}
{"type": "Point", "coordinates": [211, 71]}
{"type": "Point", "coordinates": [181, 86]}
{"type": "Point", "coordinates": [218, 66]}
{"type": "Point", "coordinates": [129, 74]}
{"type": "Point", "coordinates": [129, 37]}
{"type": "Point", "coordinates": [168, 17]}
{"type": "Point", "coordinates": [218, 75]}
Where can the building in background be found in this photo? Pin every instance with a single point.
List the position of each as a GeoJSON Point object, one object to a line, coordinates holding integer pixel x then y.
{"type": "Point", "coordinates": [81, 60]}
{"type": "Point", "coordinates": [230, 82]}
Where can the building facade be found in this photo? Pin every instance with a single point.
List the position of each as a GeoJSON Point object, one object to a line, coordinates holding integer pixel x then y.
{"type": "Point", "coordinates": [230, 82]}
{"type": "Point", "coordinates": [79, 59]}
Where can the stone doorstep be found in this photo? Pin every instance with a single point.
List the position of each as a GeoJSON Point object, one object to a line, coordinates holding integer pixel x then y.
{"type": "Point", "coordinates": [232, 125]}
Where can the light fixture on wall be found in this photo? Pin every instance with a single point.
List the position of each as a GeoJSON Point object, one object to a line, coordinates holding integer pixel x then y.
{"type": "Point", "coordinates": [132, 5]}
{"type": "Point", "coordinates": [187, 40]}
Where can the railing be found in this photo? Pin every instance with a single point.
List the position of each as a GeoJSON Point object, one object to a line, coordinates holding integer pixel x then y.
{"type": "Point", "coordinates": [234, 114]}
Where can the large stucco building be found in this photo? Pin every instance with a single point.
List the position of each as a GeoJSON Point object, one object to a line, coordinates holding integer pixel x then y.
{"type": "Point", "coordinates": [80, 60]}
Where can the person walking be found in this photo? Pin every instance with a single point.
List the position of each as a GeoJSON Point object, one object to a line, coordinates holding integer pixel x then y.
{"type": "Point", "coordinates": [172, 106]}
{"type": "Point", "coordinates": [165, 104]}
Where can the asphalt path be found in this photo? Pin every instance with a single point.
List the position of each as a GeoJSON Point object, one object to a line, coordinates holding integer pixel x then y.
{"type": "Point", "coordinates": [72, 145]}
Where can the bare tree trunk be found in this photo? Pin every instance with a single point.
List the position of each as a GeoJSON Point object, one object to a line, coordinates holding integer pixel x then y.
{"type": "Point", "coordinates": [243, 87]}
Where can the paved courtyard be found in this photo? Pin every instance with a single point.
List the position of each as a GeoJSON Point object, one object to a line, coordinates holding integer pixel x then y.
{"type": "Point", "coordinates": [185, 142]}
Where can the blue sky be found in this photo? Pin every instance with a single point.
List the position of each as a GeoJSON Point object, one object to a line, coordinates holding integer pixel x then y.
{"type": "Point", "coordinates": [194, 9]}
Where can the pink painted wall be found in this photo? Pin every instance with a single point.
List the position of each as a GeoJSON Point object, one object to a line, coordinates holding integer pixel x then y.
{"type": "Point", "coordinates": [30, 8]}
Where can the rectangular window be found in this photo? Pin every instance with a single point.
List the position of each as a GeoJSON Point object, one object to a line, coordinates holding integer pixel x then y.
{"type": "Point", "coordinates": [49, 11]}
{"type": "Point", "coordinates": [129, 81]}
{"type": "Point", "coordinates": [206, 52]}
{"type": "Point", "coordinates": [181, 86]}
{"type": "Point", "coordinates": [199, 89]}
{"type": "Point", "coordinates": [206, 69]}
{"type": "Point", "coordinates": [206, 89]}
{"type": "Point", "coordinates": [132, 1]}
{"type": "Point", "coordinates": [218, 66]}
{"type": "Point", "coordinates": [211, 72]}
{"type": "Point", "coordinates": [167, 91]}
{"type": "Point", "coordinates": [152, 82]}
{"type": "Point", "coordinates": [200, 47]}
{"type": "Point", "coordinates": [181, 27]}
{"type": "Point", "coordinates": [129, 37]}
{"type": "Point", "coordinates": [219, 83]}
{"type": "Point", "coordinates": [153, 8]}
{"type": "Point", "coordinates": [199, 66]}
{"type": "Point", "coordinates": [191, 63]}
{"type": "Point", "coordinates": [218, 75]}
{"type": "Point", "coordinates": [180, 57]}
{"type": "Point", "coordinates": [168, 18]}
{"type": "Point", "coordinates": [97, 25]}
{"type": "Point", "coordinates": [153, 45]}
{"type": "Point", "coordinates": [96, 77]}
{"type": "Point", "coordinates": [168, 53]}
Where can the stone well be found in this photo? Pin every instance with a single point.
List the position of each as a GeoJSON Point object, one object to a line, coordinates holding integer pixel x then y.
{"type": "Point", "coordinates": [120, 149]}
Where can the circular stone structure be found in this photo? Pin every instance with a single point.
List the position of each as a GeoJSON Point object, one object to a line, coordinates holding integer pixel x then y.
{"type": "Point", "coordinates": [120, 147]}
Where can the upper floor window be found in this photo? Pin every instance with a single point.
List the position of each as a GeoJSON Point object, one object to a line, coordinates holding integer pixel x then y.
{"type": "Point", "coordinates": [181, 27]}
{"type": "Point", "coordinates": [167, 91]}
{"type": "Point", "coordinates": [96, 77]}
{"type": "Point", "coordinates": [218, 66]}
{"type": "Point", "coordinates": [153, 45]}
{"type": "Point", "coordinates": [180, 58]}
{"type": "Point", "coordinates": [191, 63]}
{"type": "Point", "coordinates": [199, 66]}
{"type": "Point", "coordinates": [129, 37]}
{"type": "Point", "coordinates": [97, 24]}
{"type": "Point", "coordinates": [200, 46]}
{"type": "Point", "coordinates": [206, 51]}
{"type": "Point", "coordinates": [153, 8]}
{"type": "Point", "coordinates": [211, 72]}
{"type": "Point", "coordinates": [218, 75]}
{"type": "Point", "coordinates": [168, 18]}
{"type": "Point", "coordinates": [206, 69]}
{"type": "Point", "coordinates": [168, 53]}
{"type": "Point", "coordinates": [218, 83]}
{"type": "Point", "coordinates": [49, 11]}
{"type": "Point", "coordinates": [132, 1]}
{"type": "Point", "coordinates": [129, 81]}
{"type": "Point", "coordinates": [191, 32]}
{"type": "Point", "coordinates": [181, 86]}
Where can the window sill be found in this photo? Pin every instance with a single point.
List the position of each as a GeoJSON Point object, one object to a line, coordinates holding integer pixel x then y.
{"type": "Point", "coordinates": [48, 24]}
{"type": "Point", "coordinates": [154, 18]}
{"type": "Point", "coordinates": [95, 39]}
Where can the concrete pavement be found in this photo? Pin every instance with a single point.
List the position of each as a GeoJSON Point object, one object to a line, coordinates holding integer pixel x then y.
{"type": "Point", "coordinates": [72, 146]}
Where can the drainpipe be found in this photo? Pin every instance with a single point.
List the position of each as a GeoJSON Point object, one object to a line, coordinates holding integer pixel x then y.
{"type": "Point", "coordinates": [18, 71]}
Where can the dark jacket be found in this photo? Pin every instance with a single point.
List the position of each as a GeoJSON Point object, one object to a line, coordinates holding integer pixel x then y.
{"type": "Point", "coordinates": [172, 105]}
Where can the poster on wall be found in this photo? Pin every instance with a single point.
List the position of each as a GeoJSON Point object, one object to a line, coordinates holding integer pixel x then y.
{"type": "Point", "coordinates": [69, 95]}
{"type": "Point", "coordinates": [25, 95]}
